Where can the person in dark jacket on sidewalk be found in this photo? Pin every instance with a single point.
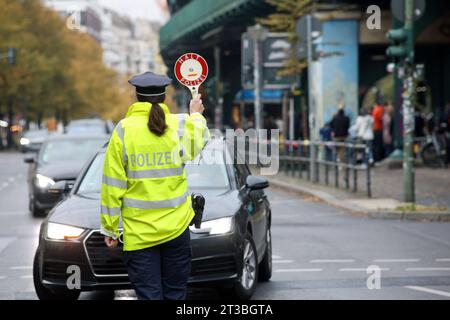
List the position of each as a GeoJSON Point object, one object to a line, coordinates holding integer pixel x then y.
{"type": "Point", "coordinates": [339, 127]}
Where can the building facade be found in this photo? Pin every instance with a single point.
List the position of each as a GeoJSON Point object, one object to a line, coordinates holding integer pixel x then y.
{"type": "Point", "coordinates": [130, 46]}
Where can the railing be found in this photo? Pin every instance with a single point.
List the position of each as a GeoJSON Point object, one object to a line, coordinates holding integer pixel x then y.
{"type": "Point", "coordinates": [314, 161]}
{"type": "Point", "coordinates": [305, 159]}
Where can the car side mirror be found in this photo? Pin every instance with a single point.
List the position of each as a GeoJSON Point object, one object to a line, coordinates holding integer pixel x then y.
{"type": "Point", "coordinates": [256, 183]}
{"type": "Point", "coordinates": [30, 158]}
{"type": "Point", "coordinates": [60, 187]}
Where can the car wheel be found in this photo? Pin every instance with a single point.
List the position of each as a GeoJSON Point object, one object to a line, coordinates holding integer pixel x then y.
{"type": "Point", "coordinates": [246, 284]}
{"type": "Point", "coordinates": [44, 293]}
{"type": "Point", "coordinates": [265, 267]}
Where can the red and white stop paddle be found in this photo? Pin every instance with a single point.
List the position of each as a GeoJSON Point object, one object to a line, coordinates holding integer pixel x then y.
{"type": "Point", "coordinates": [191, 71]}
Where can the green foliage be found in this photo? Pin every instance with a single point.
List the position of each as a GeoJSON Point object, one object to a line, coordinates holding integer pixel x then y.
{"type": "Point", "coordinates": [57, 71]}
{"type": "Point", "coordinates": [285, 20]}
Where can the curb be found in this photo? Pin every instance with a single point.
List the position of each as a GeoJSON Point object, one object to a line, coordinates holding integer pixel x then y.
{"type": "Point", "coordinates": [443, 216]}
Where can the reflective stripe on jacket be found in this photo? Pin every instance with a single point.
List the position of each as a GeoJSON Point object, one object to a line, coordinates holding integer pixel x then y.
{"type": "Point", "coordinates": [144, 179]}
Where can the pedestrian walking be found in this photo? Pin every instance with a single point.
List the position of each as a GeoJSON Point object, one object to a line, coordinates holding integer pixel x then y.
{"type": "Point", "coordinates": [339, 127]}
{"type": "Point", "coordinates": [144, 182]}
{"type": "Point", "coordinates": [388, 129]}
{"type": "Point", "coordinates": [377, 114]}
{"type": "Point", "coordinates": [326, 136]}
{"type": "Point", "coordinates": [364, 132]}
{"type": "Point", "coordinates": [419, 123]}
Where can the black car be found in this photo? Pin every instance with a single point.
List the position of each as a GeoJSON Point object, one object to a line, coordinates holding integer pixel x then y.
{"type": "Point", "coordinates": [89, 126]}
{"type": "Point", "coordinates": [32, 141]}
{"type": "Point", "coordinates": [232, 250]}
{"type": "Point", "coordinates": [61, 157]}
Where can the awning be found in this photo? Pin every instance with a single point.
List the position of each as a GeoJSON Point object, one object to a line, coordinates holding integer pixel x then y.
{"type": "Point", "coordinates": [202, 15]}
{"type": "Point", "coordinates": [267, 96]}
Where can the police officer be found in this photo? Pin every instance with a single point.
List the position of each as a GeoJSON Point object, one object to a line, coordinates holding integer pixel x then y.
{"type": "Point", "coordinates": [144, 182]}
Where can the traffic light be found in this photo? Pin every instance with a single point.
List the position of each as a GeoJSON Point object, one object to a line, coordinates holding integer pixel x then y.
{"type": "Point", "coordinates": [399, 38]}
{"type": "Point", "coordinates": [11, 56]}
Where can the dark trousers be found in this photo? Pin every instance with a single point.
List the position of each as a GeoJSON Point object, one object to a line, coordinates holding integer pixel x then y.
{"type": "Point", "coordinates": [161, 272]}
{"type": "Point", "coordinates": [378, 150]}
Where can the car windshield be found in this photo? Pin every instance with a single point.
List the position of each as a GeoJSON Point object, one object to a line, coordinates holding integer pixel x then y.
{"type": "Point", "coordinates": [87, 128]}
{"type": "Point", "coordinates": [201, 173]}
{"type": "Point", "coordinates": [70, 150]}
{"type": "Point", "coordinates": [35, 134]}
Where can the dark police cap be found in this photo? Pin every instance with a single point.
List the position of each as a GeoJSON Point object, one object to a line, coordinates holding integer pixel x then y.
{"type": "Point", "coordinates": [150, 84]}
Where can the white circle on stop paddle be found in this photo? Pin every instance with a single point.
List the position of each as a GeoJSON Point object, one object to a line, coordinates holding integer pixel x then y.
{"type": "Point", "coordinates": [191, 70]}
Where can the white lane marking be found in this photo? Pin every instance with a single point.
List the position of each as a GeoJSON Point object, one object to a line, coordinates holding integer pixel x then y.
{"type": "Point", "coordinates": [276, 257]}
{"type": "Point", "coordinates": [396, 260]}
{"type": "Point", "coordinates": [443, 260]}
{"type": "Point", "coordinates": [300, 270]}
{"type": "Point", "coordinates": [11, 179]}
{"type": "Point", "coordinates": [4, 184]}
{"type": "Point", "coordinates": [427, 269]}
{"type": "Point", "coordinates": [21, 268]}
{"type": "Point", "coordinates": [432, 291]}
{"type": "Point", "coordinates": [331, 260]}
{"type": "Point", "coordinates": [359, 269]}
{"type": "Point", "coordinates": [2, 277]}
{"type": "Point", "coordinates": [26, 277]}
{"type": "Point", "coordinates": [283, 261]}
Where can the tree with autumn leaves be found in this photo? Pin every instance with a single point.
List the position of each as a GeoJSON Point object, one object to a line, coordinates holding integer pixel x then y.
{"type": "Point", "coordinates": [284, 19]}
{"type": "Point", "coordinates": [58, 72]}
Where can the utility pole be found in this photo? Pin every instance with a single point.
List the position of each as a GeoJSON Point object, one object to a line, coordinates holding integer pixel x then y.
{"type": "Point", "coordinates": [258, 33]}
{"type": "Point", "coordinates": [291, 114]}
{"type": "Point", "coordinates": [403, 52]}
{"type": "Point", "coordinates": [311, 107]}
{"type": "Point", "coordinates": [408, 105]}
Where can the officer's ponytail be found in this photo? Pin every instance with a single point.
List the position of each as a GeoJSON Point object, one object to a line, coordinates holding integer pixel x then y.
{"type": "Point", "coordinates": [157, 120]}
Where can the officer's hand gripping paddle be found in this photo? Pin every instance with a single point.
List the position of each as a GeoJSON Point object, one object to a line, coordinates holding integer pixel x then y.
{"type": "Point", "coordinates": [191, 71]}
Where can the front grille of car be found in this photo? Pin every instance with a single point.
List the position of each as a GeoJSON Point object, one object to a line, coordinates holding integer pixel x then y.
{"type": "Point", "coordinates": [213, 266]}
{"type": "Point", "coordinates": [109, 262]}
{"type": "Point", "coordinates": [104, 261]}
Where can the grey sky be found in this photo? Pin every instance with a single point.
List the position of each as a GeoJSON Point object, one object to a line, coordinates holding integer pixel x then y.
{"type": "Point", "coordinates": [136, 8]}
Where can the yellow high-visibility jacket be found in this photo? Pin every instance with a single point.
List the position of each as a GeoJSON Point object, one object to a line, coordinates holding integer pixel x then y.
{"type": "Point", "coordinates": [144, 179]}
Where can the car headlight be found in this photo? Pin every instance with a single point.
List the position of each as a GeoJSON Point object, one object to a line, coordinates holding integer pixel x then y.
{"type": "Point", "coordinates": [24, 141]}
{"type": "Point", "coordinates": [43, 181]}
{"type": "Point", "coordinates": [216, 226]}
{"type": "Point", "coordinates": [58, 231]}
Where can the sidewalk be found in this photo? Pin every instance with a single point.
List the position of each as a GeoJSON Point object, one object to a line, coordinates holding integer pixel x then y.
{"type": "Point", "coordinates": [432, 194]}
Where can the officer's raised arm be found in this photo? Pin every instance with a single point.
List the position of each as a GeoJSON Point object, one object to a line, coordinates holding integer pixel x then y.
{"type": "Point", "coordinates": [196, 132]}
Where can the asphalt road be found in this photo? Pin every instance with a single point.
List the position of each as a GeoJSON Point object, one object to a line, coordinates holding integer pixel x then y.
{"type": "Point", "coordinates": [320, 252]}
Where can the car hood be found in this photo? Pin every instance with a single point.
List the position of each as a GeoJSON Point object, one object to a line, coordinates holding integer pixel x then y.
{"type": "Point", "coordinates": [67, 170]}
{"type": "Point", "coordinates": [84, 211]}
